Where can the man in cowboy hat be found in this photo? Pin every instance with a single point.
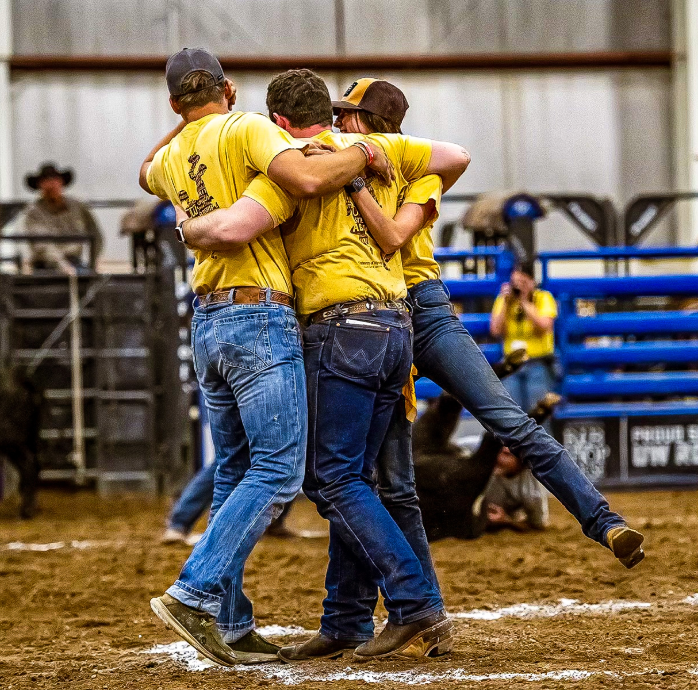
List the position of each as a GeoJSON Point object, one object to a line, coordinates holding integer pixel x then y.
{"type": "Point", "coordinates": [54, 213]}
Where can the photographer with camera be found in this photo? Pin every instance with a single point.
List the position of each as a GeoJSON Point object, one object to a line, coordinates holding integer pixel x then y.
{"type": "Point", "coordinates": [524, 317]}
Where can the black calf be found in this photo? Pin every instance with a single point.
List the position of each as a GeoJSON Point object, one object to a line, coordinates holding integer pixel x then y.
{"type": "Point", "coordinates": [20, 404]}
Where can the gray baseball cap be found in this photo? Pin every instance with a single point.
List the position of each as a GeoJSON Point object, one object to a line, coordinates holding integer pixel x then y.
{"type": "Point", "coordinates": [188, 60]}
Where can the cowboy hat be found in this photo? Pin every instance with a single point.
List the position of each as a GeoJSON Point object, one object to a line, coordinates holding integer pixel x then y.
{"type": "Point", "coordinates": [49, 170]}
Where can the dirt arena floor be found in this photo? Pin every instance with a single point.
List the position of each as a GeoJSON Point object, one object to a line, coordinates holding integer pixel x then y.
{"type": "Point", "coordinates": [550, 610]}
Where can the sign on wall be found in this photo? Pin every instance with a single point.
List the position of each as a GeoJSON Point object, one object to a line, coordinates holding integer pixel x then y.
{"type": "Point", "coordinates": [633, 450]}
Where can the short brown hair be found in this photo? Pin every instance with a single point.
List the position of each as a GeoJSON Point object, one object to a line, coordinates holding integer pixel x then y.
{"type": "Point", "coordinates": [201, 89]}
{"type": "Point", "coordinates": [302, 97]}
{"type": "Point", "coordinates": [376, 124]}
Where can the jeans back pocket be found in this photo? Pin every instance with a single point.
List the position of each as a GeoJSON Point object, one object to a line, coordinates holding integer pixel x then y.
{"type": "Point", "coordinates": [243, 341]}
{"type": "Point", "coordinates": [358, 352]}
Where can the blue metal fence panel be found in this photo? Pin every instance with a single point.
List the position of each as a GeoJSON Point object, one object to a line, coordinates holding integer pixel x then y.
{"type": "Point", "coordinates": [625, 409]}
{"type": "Point", "coordinates": [617, 286]}
{"type": "Point", "coordinates": [629, 384]}
{"type": "Point", "coordinates": [622, 253]}
{"type": "Point", "coordinates": [633, 323]}
{"type": "Point", "coordinates": [473, 286]}
{"type": "Point", "coordinates": [684, 352]}
{"type": "Point", "coordinates": [478, 325]}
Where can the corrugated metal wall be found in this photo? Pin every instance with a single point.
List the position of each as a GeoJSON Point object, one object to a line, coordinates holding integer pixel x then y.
{"type": "Point", "coordinates": [602, 132]}
{"type": "Point", "coordinates": [293, 27]}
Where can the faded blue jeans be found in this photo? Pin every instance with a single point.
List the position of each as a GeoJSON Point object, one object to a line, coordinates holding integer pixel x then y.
{"type": "Point", "coordinates": [249, 363]}
{"type": "Point", "coordinates": [356, 368]}
{"type": "Point", "coordinates": [194, 500]}
{"type": "Point", "coordinates": [530, 383]}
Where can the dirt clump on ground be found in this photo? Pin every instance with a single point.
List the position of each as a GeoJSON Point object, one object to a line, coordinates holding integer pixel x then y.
{"type": "Point", "coordinates": [77, 614]}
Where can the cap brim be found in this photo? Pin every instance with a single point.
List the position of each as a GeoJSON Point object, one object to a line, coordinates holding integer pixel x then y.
{"type": "Point", "coordinates": [345, 105]}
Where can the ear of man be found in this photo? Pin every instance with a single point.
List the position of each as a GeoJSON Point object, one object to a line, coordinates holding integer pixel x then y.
{"type": "Point", "coordinates": [230, 93]}
{"type": "Point", "coordinates": [281, 121]}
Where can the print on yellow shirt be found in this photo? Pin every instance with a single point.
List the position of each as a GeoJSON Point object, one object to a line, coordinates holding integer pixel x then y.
{"type": "Point", "coordinates": [205, 203]}
{"type": "Point", "coordinates": [364, 234]}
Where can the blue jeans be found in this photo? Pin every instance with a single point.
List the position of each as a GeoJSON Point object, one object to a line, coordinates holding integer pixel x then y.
{"type": "Point", "coordinates": [355, 374]}
{"type": "Point", "coordinates": [249, 363]}
{"type": "Point", "coordinates": [445, 353]}
{"type": "Point", "coordinates": [530, 383]}
{"type": "Point", "coordinates": [194, 500]}
{"type": "Point", "coordinates": [352, 592]}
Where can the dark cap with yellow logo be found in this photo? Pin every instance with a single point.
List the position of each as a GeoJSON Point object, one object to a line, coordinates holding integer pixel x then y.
{"type": "Point", "coordinates": [375, 96]}
{"type": "Point", "coordinates": [188, 60]}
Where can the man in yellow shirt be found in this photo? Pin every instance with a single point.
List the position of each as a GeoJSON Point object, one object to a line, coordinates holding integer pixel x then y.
{"type": "Point", "coordinates": [524, 317]}
{"type": "Point", "coordinates": [245, 340]}
{"type": "Point", "coordinates": [357, 347]}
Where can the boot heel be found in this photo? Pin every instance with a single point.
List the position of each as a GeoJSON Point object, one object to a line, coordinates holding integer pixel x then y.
{"type": "Point", "coordinates": [442, 649]}
{"type": "Point", "coordinates": [438, 636]}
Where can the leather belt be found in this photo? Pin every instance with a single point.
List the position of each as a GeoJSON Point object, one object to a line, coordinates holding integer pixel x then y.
{"type": "Point", "coordinates": [337, 311]}
{"type": "Point", "coordinates": [247, 295]}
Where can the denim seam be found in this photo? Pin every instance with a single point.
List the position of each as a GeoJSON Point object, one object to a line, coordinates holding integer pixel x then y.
{"type": "Point", "coordinates": [208, 356]}
{"type": "Point", "coordinates": [204, 596]}
{"type": "Point", "coordinates": [234, 627]}
{"type": "Point", "coordinates": [358, 541]}
{"type": "Point", "coordinates": [316, 375]}
{"type": "Point", "coordinates": [336, 636]}
{"type": "Point", "coordinates": [413, 618]}
{"type": "Point", "coordinates": [252, 524]}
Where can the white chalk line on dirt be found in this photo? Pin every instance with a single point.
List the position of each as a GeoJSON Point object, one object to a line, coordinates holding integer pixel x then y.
{"type": "Point", "coordinates": [55, 545]}
{"type": "Point", "coordinates": [284, 631]}
{"type": "Point", "coordinates": [186, 655]}
{"type": "Point", "coordinates": [563, 607]}
{"type": "Point", "coordinates": [295, 675]}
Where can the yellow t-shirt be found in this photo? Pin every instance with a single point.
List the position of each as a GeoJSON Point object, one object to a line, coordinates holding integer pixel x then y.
{"type": "Point", "coordinates": [207, 166]}
{"type": "Point", "coordinates": [520, 331]}
{"type": "Point", "coordinates": [332, 254]}
{"type": "Point", "coordinates": [418, 262]}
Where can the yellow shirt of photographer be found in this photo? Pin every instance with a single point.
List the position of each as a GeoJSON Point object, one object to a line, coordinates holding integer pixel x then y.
{"type": "Point", "coordinates": [519, 329]}
{"type": "Point", "coordinates": [208, 165]}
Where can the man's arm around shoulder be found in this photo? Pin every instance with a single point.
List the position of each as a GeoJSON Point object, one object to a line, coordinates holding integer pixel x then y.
{"type": "Point", "coordinates": [143, 174]}
{"type": "Point", "coordinates": [226, 228]}
{"type": "Point", "coordinates": [449, 161]}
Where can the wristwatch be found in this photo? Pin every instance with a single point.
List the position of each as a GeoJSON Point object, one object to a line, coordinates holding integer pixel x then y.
{"type": "Point", "coordinates": [356, 185]}
{"type": "Point", "coordinates": [179, 232]}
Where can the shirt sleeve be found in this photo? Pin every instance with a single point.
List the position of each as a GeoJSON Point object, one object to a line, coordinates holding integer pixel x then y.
{"type": "Point", "coordinates": [262, 141]}
{"type": "Point", "coordinates": [411, 154]}
{"type": "Point", "coordinates": [498, 306]}
{"type": "Point", "coordinates": [545, 304]}
{"type": "Point", "coordinates": [279, 204]}
{"type": "Point", "coordinates": [155, 177]}
{"type": "Point", "coordinates": [427, 188]}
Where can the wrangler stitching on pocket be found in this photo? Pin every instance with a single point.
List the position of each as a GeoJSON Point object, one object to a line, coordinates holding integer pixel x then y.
{"type": "Point", "coordinates": [357, 353]}
{"type": "Point", "coordinates": [359, 364]}
{"type": "Point", "coordinates": [260, 323]}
